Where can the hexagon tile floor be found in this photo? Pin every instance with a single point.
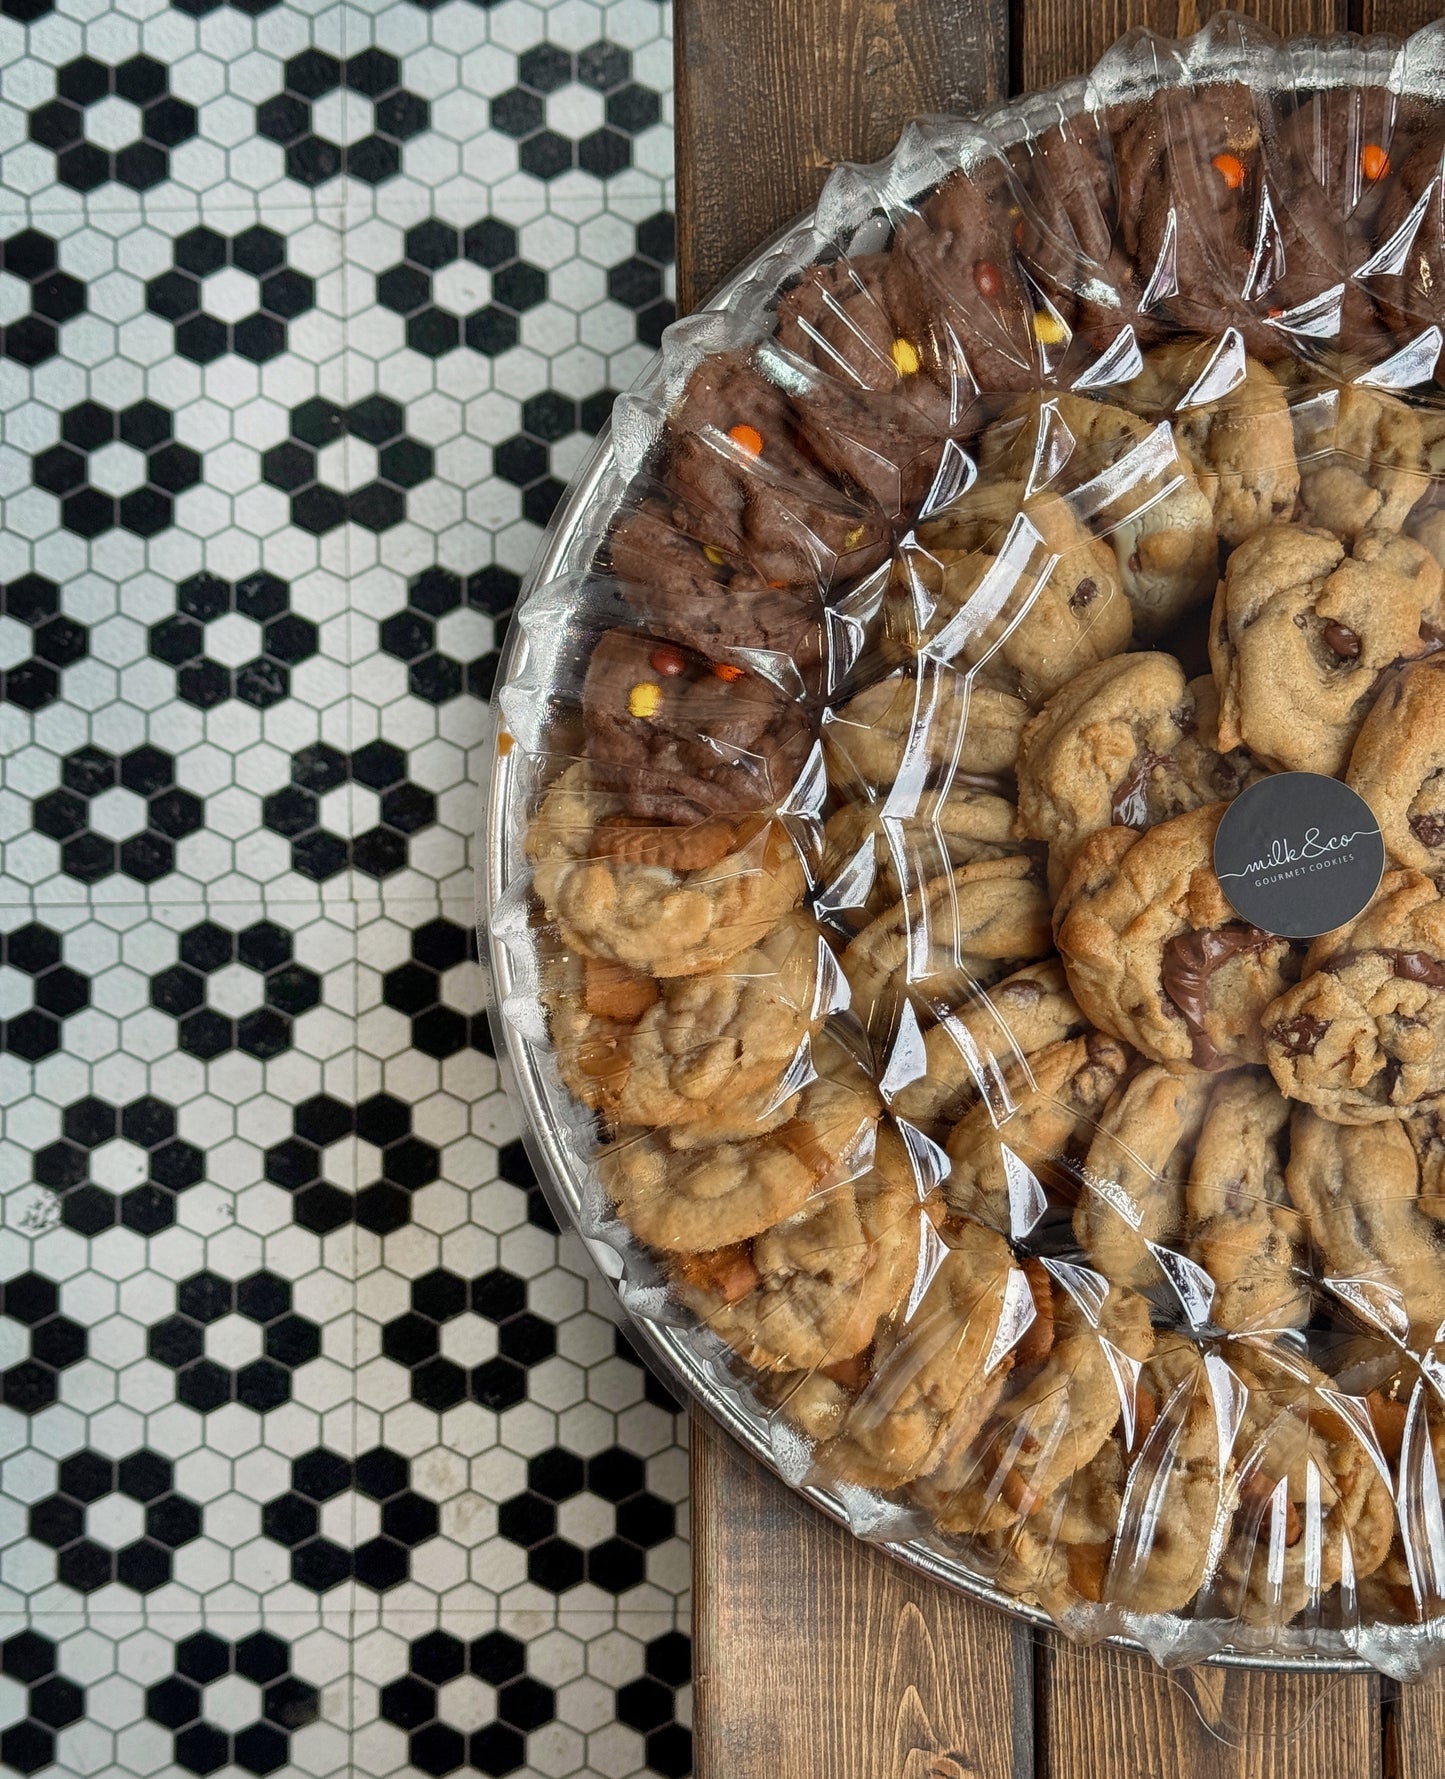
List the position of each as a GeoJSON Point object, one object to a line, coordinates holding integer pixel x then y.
{"type": "Point", "coordinates": [318, 1453]}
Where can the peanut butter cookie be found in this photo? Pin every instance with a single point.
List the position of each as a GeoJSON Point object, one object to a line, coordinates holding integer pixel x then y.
{"type": "Point", "coordinates": [662, 901]}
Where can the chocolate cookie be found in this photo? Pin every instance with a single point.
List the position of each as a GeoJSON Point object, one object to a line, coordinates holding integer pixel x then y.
{"type": "Point", "coordinates": [663, 901]}
{"type": "Point", "coordinates": [689, 1197]}
{"type": "Point", "coordinates": [1191, 181]}
{"type": "Point", "coordinates": [1331, 163]}
{"type": "Point", "coordinates": [970, 926]}
{"type": "Point", "coordinates": [1244, 1229]}
{"type": "Point", "coordinates": [733, 453]}
{"type": "Point", "coordinates": [1126, 743]}
{"type": "Point", "coordinates": [1070, 231]}
{"type": "Point", "coordinates": [953, 271]}
{"type": "Point", "coordinates": [1231, 425]}
{"type": "Point", "coordinates": [1398, 764]}
{"type": "Point", "coordinates": [924, 727]}
{"type": "Point", "coordinates": [1300, 636]}
{"type": "Point", "coordinates": [679, 738]}
{"type": "Point", "coordinates": [709, 599]}
{"type": "Point", "coordinates": [1361, 1036]}
{"type": "Point", "coordinates": [1377, 1222]}
{"type": "Point", "coordinates": [1412, 222]}
{"type": "Point", "coordinates": [1013, 586]}
{"type": "Point", "coordinates": [1156, 955]}
{"type": "Point", "coordinates": [975, 1049]}
{"type": "Point", "coordinates": [1129, 483]}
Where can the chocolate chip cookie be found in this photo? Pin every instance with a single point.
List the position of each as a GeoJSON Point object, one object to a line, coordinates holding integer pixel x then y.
{"type": "Point", "coordinates": [1361, 1036]}
{"type": "Point", "coordinates": [1127, 481]}
{"type": "Point", "coordinates": [875, 853]}
{"type": "Point", "coordinates": [1312, 1502]}
{"type": "Point", "coordinates": [1006, 1160]}
{"type": "Point", "coordinates": [1360, 457]}
{"type": "Point", "coordinates": [663, 901]}
{"type": "Point", "coordinates": [1062, 1400]}
{"type": "Point", "coordinates": [1231, 424]}
{"type": "Point", "coordinates": [933, 1375]}
{"type": "Point", "coordinates": [1134, 1179]}
{"type": "Point", "coordinates": [1243, 1227]}
{"type": "Point", "coordinates": [970, 1051]}
{"type": "Point", "coordinates": [1126, 743]}
{"type": "Point", "coordinates": [922, 727]}
{"type": "Point", "coordinates": [1398, 764]}
{"type": "Point", "coordinates": [968, 926]}
{"type": "Point", "coordinates": [1156, 955]}
{"type": "Point", "coordinates": [1377, 1222]}
{"type": "Point", "coordinates": [1012, 585]}
{"type": "Point", "coordinates": [1299, 638]}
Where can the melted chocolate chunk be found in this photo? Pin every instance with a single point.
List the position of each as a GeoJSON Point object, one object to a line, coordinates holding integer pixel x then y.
{"type": "Point", "coordinates": [1419, 966]}
{"type": "Point", "coordinates": [1130, 808]}
{"type": "Point", "coordinates": [1343, 641]}
{"type": "Point", "coordinates": [1189, 962]}
{"type": "Point", "coordinates": [1298, 1036]}
{"type": "Point", "coordinates": [1429, 829]}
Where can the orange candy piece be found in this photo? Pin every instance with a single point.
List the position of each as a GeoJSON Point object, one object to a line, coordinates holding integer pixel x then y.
{"type": "Point", "coordinates": [1374, 162]}
{"type": "Point", "coordinates": [1230, 169]}
{"type": "Point", "coordinates": [749, 438]}
{"type": "Point", "coordinates": [726, 671]}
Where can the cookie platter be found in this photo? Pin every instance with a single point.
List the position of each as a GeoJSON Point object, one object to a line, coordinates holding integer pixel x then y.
{"type": "Point", "coordinates": [855, 855]}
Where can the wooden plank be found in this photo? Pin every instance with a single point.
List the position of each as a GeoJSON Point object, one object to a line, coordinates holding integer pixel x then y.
{"type": "Point", "coordinates": [1056, 39]}
{"type": "Point", "coordinates": [816, 1655]}
{"type": "Point", "coordinates": [1104, 1714]}
{"type": "Point", "coordinates": [1414, 1739]}
{"type": "Point", "coordinates": [771, 97]}
{"type": "Point", "coordinates": [1398, 17]}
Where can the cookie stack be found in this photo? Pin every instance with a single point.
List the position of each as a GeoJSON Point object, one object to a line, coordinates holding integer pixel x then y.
{"type": "Point", "coordinates": [1061, 1214]}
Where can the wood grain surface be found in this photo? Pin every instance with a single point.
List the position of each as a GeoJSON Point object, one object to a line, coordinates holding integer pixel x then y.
{"type": "Point", "coordinates": [817, 1657]}
{"type": "Point", "coordinates": [1105, 1714]}
{"type": "Point", "coordinates": [1056, 39]}
{"type": "Point", "coordinates": [771, 97]}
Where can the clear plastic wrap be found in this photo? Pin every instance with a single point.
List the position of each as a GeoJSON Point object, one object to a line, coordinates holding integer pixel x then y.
{"type": "Point", "coordinates": [867, 972]}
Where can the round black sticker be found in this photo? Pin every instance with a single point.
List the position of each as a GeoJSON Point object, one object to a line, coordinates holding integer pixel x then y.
{"type": "Point", "coordinates": [1299, 854]}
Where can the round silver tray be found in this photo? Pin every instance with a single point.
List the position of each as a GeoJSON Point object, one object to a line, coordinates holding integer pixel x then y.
{"type": "Point", "coordinates": [545, 1106]}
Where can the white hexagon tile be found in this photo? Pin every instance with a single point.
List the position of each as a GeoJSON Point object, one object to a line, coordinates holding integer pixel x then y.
{"type": "Point", "coordinates": [319, 1454]}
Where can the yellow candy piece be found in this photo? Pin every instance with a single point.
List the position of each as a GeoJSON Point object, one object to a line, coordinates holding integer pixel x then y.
{"type": "Point", "coordinates": [643, 699]}
{"type": "Point", "coordinates": [905, 358]}
{"type": "Point", "coordinates": [716, 557]}
{"type": "Point", "coordinates": [1048, 329]}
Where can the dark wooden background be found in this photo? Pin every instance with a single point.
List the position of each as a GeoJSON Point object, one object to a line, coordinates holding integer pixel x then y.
{"type": "Point", "coordinates": [817, 1658]}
